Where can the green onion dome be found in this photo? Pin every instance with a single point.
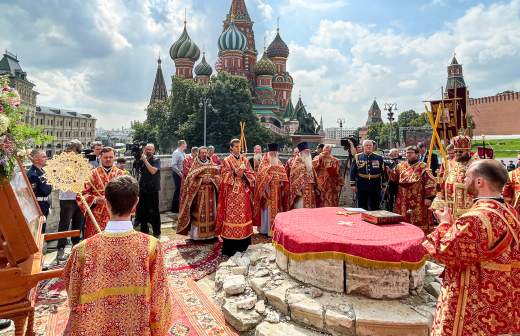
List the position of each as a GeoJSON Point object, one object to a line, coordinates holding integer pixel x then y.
{"type": "Point", "coordinates": [203, 68]}
{"type": "Point", "coordinates": [184, 47]}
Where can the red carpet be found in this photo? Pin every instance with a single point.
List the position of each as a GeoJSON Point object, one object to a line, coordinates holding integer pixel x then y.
{"type": "Point", "coordinates": [195, 314]}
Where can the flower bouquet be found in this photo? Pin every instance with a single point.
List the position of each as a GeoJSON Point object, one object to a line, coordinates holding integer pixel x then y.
{"type": "Point", "coordinates": [15, 137]}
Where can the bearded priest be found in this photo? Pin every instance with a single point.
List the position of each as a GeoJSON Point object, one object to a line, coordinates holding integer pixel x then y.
{"type": "Point", "coordinates": [480, 251]}
{"type": "Point", "coordinates": [302, 180]}
{"type": "Point", "coordinates": [94, 192]}
{"type": "Point", "coordinates": [453, 193]}
{"type": "Point", "coordinates": [270, 191]}
{"type": "Point", "coordinates": [328, 178]}
{"type": "Point", "coordinates": [199, 204]}
{"type": "Point", "coordinates": [416, 189]}
{"type": "Point", "coordinates": [234, 216]}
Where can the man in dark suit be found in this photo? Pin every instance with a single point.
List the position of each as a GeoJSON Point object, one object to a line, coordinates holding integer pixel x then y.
{"type": "Point", "coordinates": [423, 156]}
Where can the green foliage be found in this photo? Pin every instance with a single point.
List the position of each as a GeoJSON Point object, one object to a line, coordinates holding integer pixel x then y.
{"type": "Point", "coordinates": [183, 118]}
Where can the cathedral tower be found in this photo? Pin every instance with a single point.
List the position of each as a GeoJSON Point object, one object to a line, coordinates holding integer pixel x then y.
{"type": "Point", "coordinates": [159, 92]}
{"type": "Point", "coordinates": [232, 44]}
{"type": "Point", "coordinates": [184, 53]}
{"type": "Point", "coordinates": [239, 15]}
{"type": "Point", "coordinates": [264, 71]}
{"type": "Point", "coordinates": [278, 52]}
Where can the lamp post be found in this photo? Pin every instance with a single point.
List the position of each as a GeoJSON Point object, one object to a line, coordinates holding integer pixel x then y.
{"type": "Point", "coordinates": [205, 102]}
{"type": "Point", "coordinates": [340, 122]}
{"type": "Point", "coordinates": [390, 108]}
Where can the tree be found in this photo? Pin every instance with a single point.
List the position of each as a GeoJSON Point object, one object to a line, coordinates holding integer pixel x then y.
{"type": "Point", "coordinates": [181, 117]}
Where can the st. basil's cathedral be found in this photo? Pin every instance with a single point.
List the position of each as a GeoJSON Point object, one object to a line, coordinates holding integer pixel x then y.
{"type": "Point", "coordinates": [271, 83]}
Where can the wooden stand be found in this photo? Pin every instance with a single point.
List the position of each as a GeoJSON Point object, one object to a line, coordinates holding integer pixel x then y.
{"type": "Point", "coordinates": [21, 258]}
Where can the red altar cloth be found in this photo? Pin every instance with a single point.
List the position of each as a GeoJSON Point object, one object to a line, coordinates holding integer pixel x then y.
{"type": "Point", "coordinates": [304, 234]}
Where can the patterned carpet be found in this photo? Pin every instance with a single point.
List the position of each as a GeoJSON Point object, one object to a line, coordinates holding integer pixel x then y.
{"type": "Point", "coordinates": [186, 261]}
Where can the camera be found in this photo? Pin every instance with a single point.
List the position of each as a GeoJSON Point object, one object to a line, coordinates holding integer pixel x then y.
{"type": "Point", "coordinates": [345, 141]}
{"type": "Point", "coordinates": [88, 154]}
{"type": "Point", "coordinates": [136, 150]}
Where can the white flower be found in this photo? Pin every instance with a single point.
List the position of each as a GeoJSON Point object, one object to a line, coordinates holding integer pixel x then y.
{"type": "Point", "coordinates": [4, 123]}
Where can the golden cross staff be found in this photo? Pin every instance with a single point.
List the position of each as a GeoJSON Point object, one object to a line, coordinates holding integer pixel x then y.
{"type": "Point", "coordinates": [243, 141]}
{"type": "Point", "coordinates": [435, 135]}
{"type": "Point", "coordinates": [69, 171]}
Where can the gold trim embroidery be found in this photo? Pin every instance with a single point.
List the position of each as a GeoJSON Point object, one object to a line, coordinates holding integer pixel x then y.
{"type": "Point", "coordinates": [352, 259]}
{"type": "Point", "coordinates": [114, 291]}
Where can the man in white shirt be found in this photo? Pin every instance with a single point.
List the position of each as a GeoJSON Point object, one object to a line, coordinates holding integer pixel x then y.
{"type": "Point", "coordinates": [177, 162]}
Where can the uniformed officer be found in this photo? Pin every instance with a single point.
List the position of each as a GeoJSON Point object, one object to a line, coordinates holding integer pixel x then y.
{"type": "Point", "coordinates": [39, 185]}
{"type": "Point", "coordinates": [366, 177]}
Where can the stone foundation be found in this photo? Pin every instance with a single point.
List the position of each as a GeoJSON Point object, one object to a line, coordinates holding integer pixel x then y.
{"type": "Point", "coordinates": [276, 303]}
{"type": "Point", "coordinates": [339, 276]}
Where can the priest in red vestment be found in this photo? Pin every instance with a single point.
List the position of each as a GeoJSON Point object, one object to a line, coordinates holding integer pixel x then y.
{"type": "Point", "coordinates": [328, 178]}
{"type": "Point", "coordinates": [213, 157]}
{"type": "Point", "coordinates": [453, 193]}
{"type": "Point", "coordinates": [302, 180]}
{"type": "Point", "coordinates": [416, 189]}
{"type": "Point", "coordinates": [234, 215]}
{"type": "Point", "coordinates": [512, 189]}
{"type": "Point", "coordinates": [94, 192]}
{"type": "Point", "coordinates": [116, 281]}
{"type": "Point", "coordinates": [188, 161]}
{"type": "Point", "coordinates": [270, 191]}
{"type": "Point", "coordinates": [481, 254]}
{"type": "Point", "coordinates": [290, 161]}
{"type": "Point", "coordinates": [199, 205]}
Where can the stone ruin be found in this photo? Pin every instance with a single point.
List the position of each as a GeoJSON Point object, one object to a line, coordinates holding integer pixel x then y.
{"type": "Point", "coordinates": [263, 293]}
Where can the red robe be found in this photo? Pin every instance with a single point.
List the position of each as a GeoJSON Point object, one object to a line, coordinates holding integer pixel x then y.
{"type": "Point", "coordinates": [512, 189]}
{"type": "Point", "coordinates": [480, 287]}
{"type": "Point", "coordinates": [95, 187]}
{"type": "Point", "coordinates": [302, 182]}
{"type": "Point", "coordinates": [186, 165]}
{"type": "Point", "coordinates": [416, 183]}
{"type": "Point", "coordinates": [234, 216]}
{"type": "Point", "coordinates": [117, 285]}
{"type": "Point", "coordinates": [216, 160]}
{"type": "Point", "coordinates": [328, 180]}
{"type": "Point", "coordinates": [200, 200]}
{"type": "Point", "coordinates": [274, 179]}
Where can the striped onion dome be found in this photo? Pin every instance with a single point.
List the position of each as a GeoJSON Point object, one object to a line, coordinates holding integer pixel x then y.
{"type": "Point", "coordinates": [265, 67]}
{"type": "Point", "coordinates": [203, 68]}
{"type": "Point", "coordinates": [278, 48]}
{"type": "Point", "coordinates": [184, 47]}
{"type": "Point", "coordinates": [232, 39]}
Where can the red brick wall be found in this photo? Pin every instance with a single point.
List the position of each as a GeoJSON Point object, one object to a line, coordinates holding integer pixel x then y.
{"type": "Point", "coordinates": [496, 115]}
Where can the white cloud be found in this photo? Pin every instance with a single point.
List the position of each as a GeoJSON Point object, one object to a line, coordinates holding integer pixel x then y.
{"type": "Point", "coordinates": [265, 9]}
{"type": "Point", "coordinates": [363, 62]}
{"type": "Point", "coordinates": [313, 5]}
{"type": "Point", "coordinates": [408, 84]}
{"type": "Point", "coordinates": [108, 20]}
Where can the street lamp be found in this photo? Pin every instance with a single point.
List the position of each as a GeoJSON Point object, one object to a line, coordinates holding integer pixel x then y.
{"type": "Point", "coordinates": [206, 102]}
{"type": "Point", "coordinates": [390, 108]}
{"type": "Point", "coordinates": [340, 122]}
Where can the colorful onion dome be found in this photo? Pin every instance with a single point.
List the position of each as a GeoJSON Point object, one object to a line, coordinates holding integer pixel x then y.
{"type": "Point", "coordinates": [203, 68]}
{"type": "Point", "coordinates": [265, 67]}
{"type": "Point", "coordinates": [184, 47]}
{"type": "Point", "coordinates": [232, 39]}
{"type": "Point", "coordinates": [278, 48]}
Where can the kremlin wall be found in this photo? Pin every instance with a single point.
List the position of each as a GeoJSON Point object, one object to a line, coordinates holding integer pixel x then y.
{"type": "Point", "coordinates": [496, 115]}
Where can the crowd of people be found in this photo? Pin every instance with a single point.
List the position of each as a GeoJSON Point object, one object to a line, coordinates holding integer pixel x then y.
{"type": "Point", "coordinates": [228, 197]}
{"type": "Point", "coordinates": [468, 208]}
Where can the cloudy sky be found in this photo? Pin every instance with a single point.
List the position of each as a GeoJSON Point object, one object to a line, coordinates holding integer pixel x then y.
{"type": "Point", "coordinates": [99, 56]}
